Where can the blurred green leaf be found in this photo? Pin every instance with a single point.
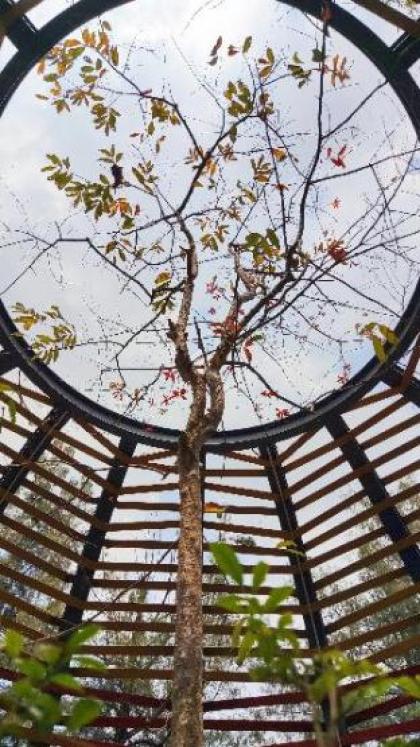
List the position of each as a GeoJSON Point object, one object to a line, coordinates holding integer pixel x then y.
{"type": "Point", "coordinates": [227, 561]}
{"type": "Point", "coordinates": [259, 575]}
{"type": "Point", "coordinates": [13, 643]}
{"type": "Point", "coordinates": [80, 636]}
{"type": "Point", "coordinates": [83, 713]}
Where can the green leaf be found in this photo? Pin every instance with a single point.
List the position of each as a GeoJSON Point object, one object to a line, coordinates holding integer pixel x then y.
{"type": "Point", "coordinates": [290, 547]}
{"type": "Point", "coordinates": [233, 134]}
{"type": "Point", "coordinates": [227, 561]}
{"type": "Point", "coordinates": [246, 646]}
{"type": "Point", "coordinates": [276, 598]}
{"type": "Point", "coordinates": [44, 710]}
{"type": "Point", "coordinates": [259, 575]}
{"type": "Point", "coordinates": [81, 635]}
{"type": "Point", "coordinates": [236, 633]}
{"type": "Point", "coordinates": [379, 348]}
{"type": "Point", "coordinates": [13, 643]}
{"type": "Point", "coordinates": [272, 236]}
{"type": "Point", "coordinates": [234, 603]}
{"type": "Point", "coordinates": [32, 669]}
{"type": "Point", "coordinates": [65, 680]}
{"type": "Point", "coordinates": [89, 662]}
{"type": "Point", "coordinates": [83, 713]}
{"type": "Point", "coordinates": [247, 44]}
{"type": "Point", "coordinates": [317, 55]}
{"type": "Point", "coordinates": [389, 334]}
{"type": "Point", "coordinates": [411, 685]}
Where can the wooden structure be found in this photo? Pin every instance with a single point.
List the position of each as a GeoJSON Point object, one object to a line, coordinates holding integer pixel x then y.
{"type": "Point", "coordinates": [83, 492]}
{"type": "Point", "coordinates": [334, 490]}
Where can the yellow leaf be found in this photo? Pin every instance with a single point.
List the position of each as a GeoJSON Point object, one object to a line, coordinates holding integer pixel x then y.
{"type": "Point", "coordinates": [115, 57]}
{"type": "Point", "coordinates": [214, 508]}
{"type": "Point", "coordinates": [162, 278]}
{"type": "Point", "coordinates": [72, 43]}
{"type": "Point", "coordinates": [279, 154]}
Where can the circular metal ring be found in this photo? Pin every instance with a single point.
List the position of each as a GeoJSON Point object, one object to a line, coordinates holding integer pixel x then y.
{"type": "Point", "coordinates": [36, 45]}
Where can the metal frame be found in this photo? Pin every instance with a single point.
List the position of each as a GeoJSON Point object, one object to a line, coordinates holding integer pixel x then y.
{"type": "Point", "coordinates": [96, 537]}
{"type": "Point", "coordinates": [394, 377]}
{"type": "Point", "coordinates": [391, 518]}
{"type": "Point", "coordinates": [8, 361]}
{"type": "Point", "coordinates": [36, 444]}
{"type": "Point", "coordinates": [392, 62]}
{"type": "Point", "coordinates": [316, 630]}
{"type": "Point", "coordinates": [305, 589]}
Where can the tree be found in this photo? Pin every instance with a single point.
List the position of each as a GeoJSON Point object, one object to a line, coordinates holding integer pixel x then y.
{"type": "Point", "coordinates": [155, 737]}
{"type": "Point", "coordinates": [28, 706]}
{"type": "Point", "coordinates": [246, 200]}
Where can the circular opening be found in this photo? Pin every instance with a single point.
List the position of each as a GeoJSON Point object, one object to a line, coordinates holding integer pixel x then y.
{"type": "Point", "coordinates": [180, 88]}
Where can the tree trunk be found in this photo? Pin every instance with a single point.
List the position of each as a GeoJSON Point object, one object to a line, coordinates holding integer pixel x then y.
{"type": "Point", "coordinates": [187, 708]}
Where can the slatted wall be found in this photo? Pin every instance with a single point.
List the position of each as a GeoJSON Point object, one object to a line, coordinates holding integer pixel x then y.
{"type": "Point", "coordinates": [89, 531]}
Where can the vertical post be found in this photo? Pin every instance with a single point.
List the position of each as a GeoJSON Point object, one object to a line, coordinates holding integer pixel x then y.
{"type": "Point", "coordinates": [305, 588]}
{"type": "Point", "coordinates": [96, 537]}
{"type": "Point", "coordinates": [35, 445]}
{"type": "Point", "coordinates": [304, 584]}
{"type": "Point", "coordinates": [374, 488]}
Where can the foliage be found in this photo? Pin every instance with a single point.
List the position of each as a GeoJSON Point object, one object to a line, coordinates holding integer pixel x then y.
{"type": "Point", "coordinates": [130, 184]}
{"type": "Point", "coordinates": [383, 338]}
{"type": "Point", "coordinates": [320, 677]}
{"type": "Point", "coordinates": [224, 212]}
{"type": "Point", "coordinates": [398, 620]}
{"type": "Point", "coordinates": [5, 389]}
{"type": "Point", "coordinates": [32, 702]}
{"type": "Point", "coordinates": [46, 345]}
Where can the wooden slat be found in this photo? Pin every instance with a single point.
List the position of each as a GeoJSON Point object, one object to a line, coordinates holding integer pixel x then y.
{"type": "Point", "coordinates": [371, 609]}
{"type": "Point", "coordinates": [373, 634]}
{"type": "Point", "coordinates": [28, 509]}
{"type": "Point", "coordinates": [354, 432]}
{"type": "Point", "coordinates": [398, 649]}
{"type": "Point", "coordinates": [362, 517]}
{"type": "Point", "coordinates": [29, 582]}
{"type": "Point", "coordinates": [26, 392]}
{"type": "Point", "coordinates": [372, 399]}
{"type": "Point", "coordinates": [341, 482]}
{"type": "Point", "coordinates": [35, 560]}
{"type": "Point", "coordinates": [357, 565]}
{"type": "Point", "coordinates": [43, 541]}
{"type": "Point", "coordinates": [51, 477]}
{"type": "Point", "coordinates": [398, 474]}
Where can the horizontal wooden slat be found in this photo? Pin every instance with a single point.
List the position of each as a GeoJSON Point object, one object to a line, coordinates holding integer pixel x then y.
{"type": "Point", "coordinates": [371, 609]}
{"type": "Point", "coordinates": [344, 503]}
{"type": "Point", "coordinates": [362, 517]}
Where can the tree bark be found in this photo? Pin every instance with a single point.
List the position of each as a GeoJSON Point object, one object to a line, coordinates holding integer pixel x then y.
{"type": "Point", "coordinates": [187, 708]}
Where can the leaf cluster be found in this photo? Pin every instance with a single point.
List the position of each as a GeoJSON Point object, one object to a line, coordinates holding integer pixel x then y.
{"type": "Point", "coordinates": [46, 346]}
{"type": "Point", "coordinates": [32, 701]}
{"type": "Point", "coordinates": [264, 634]}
